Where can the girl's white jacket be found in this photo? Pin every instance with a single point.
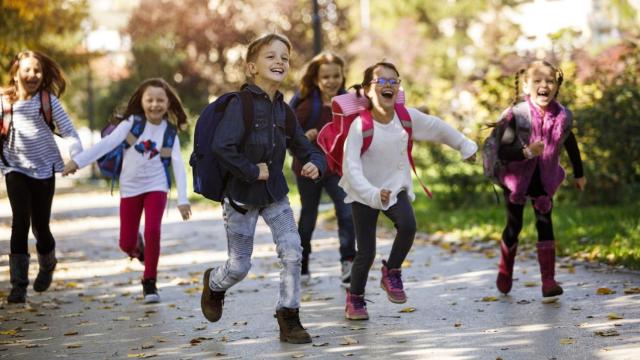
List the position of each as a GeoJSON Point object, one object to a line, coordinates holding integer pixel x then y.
{"type": "Point", "coordinates": [140, 173]}
{"type": "Point", "coordinates": [385, 165]}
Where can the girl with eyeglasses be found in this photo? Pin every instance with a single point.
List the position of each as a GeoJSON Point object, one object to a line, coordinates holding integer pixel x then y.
{"type": "Point", "coordinates": [380, 180]}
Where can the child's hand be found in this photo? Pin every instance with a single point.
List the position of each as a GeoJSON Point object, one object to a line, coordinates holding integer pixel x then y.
{"type": "Point", "coordinates": [310, 170]}
{"type": "Point", "coordinates": [185, 211]}
{"type": "Point", "coordinates": [384, 196]}
{"type": "Point", "coordinates": [311, 134]}
{"type": "Point", "coordinates": [471, 159]}
{"type": "Point", "coordinates": [580, 183]}
{"type": "Point", "coordinates": [535, 149]}
{"type": "Point", "coordinates": [264, 171]}
{"type": "Point", "coordinates": [69, 168]}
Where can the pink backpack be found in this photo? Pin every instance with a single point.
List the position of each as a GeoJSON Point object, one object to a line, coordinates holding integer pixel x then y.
{"type": "Point", "coordinates": [345, 109]}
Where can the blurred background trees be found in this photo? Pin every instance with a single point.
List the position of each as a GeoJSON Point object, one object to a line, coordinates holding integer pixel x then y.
{"type": "Point", "coordinates": [457, 58]}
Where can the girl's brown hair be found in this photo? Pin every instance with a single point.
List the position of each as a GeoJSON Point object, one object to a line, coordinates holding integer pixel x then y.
{"type": "Point", "coordinates": [175, 110]}
{"type": "Point", "coordinates": [53, 79]}
{"type": "Point", "coordinates": [309, 80]}
{"type": "Point", "coordinates": [525, 73]}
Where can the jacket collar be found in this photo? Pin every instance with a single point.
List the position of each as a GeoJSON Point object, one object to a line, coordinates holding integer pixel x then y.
{"type": "Point", "coordinates": [258, 91]}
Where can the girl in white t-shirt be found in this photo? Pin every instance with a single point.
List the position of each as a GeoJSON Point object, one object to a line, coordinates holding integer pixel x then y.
{"type": "Point", "coordinates": [144, 179]}
{"type": "Point", "coordinates": [380, 180]}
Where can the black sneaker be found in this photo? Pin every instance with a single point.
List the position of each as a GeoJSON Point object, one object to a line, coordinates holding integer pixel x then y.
{"type": "Point", "coordinates": [149, 291]}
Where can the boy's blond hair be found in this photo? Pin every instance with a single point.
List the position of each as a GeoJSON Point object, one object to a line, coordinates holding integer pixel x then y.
{"type": "Point", "coordinates": [262, 41]}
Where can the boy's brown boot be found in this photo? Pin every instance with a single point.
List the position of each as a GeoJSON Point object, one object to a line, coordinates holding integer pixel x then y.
{"type": "Point", "coordinates": [291, 329]}
{"type": "Point", "coordinates": [211, 302]}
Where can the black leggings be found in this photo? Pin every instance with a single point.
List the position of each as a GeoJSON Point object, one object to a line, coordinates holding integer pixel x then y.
{"type": "Point", "coordinates": [514, 223]}
{"type": "Point", "coordinates": [30, 201]}
{"type": "Point", "coordinates": [365, 219]}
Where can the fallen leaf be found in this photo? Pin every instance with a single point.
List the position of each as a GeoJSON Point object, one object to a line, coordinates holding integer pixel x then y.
{"type": "Point", "coordinates": [31, 346]}
{"type": "Point", "coordinates": [74, 346]}
{"type": "Point", "coordinates": [348, 340]}
{"type": "Point", "coordinates": [567, 341]}
{"type": "Point", "coordinates": [633, 290]}
{"type": "Point", "coordinates": [8, 332]}
{"type": "Point", "coordinates": [550, 300]}
{"type": "Point", "coordinates": [457, 324]}
{"type": "Point", "coordinates": [237, 323]}
{"type": "Point", "coordinates": [141, 356]}
{"type": "Point", "coordinates": [297, 356]}
{"type": "Point", "coordinates": [71, 333]}
{"type": "Point", "coordinates": [321, 344]}
{"type": "Point", "coordinates": [614, 316]}
{"type": "Point", "coordinates": [489, 299]}
{"type": "Point", "coordinates": [122, 318]}
{"type": "Point", "coordinates": [407, 310]}
{"type": "Point", "coordinates": [147, 346]}
{"type": "Point", "coordinates": [607, 332]}
{"type": "Point", "coordinates": [605, 291]}
{"type": "Point", "coordinates": [530, 284]}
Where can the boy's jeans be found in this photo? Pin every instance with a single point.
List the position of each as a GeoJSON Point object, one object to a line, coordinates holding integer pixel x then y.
{"type": "Point", "coordinates": [240, 232]}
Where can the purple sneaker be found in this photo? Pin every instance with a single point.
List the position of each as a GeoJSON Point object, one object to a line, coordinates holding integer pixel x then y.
{"type": "Point", "coordinates": [391, 282]}
{"type": "Point", "coordinates": [356, 308]}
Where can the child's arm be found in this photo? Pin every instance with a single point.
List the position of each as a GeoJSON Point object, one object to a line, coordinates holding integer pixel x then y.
{"type": "Point", "coordinates": [352, 170]}
{"type": "Point", "coordinates": [180, 176]}
{"type": "Point", "coordinates": [571, 145]}
{"type": "Point", "coordinates": [105, 145]}
{"type": "Point", "coordinates": [302, 149]}
{"type": "Point", "coordinates": [64, 125]}
{"type": "Point", "coordinates": [432, 128]}
{"type": "Point", "coordinates": [227, 141]}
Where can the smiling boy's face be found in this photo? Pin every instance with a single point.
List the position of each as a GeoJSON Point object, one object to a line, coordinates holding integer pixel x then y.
{"type": "Point", "coordinates": [271, 65]}
{"type": "Point", "coordinates": [541, 85]}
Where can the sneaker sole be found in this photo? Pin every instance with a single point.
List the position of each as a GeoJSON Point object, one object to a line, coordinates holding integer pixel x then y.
{"type": "Point", "coordinates": [152, 299]}
{"type": "Point", "coordinates": [357, 317]}
{"type": "Point", "coordinates": [393, 300]}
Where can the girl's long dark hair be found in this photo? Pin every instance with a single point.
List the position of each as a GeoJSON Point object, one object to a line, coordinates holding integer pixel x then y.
{"type": "Point", "coordinates": [53, 79]}
{"type": "Point", "coordinates": [310, 77]}
{"type": "Point", "coordinates": [175, 110]}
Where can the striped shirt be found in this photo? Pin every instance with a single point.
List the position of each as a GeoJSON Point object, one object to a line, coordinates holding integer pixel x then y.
{"type": "Point", "coordinates": [30, 148]}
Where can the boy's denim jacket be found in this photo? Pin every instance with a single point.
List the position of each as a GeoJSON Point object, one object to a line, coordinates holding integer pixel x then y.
{"type": "Point", "coordinates": [266, 143]}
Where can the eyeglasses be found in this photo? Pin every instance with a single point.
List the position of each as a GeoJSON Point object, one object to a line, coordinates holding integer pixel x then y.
{"type": "Point", "coordinates": [384, 81]}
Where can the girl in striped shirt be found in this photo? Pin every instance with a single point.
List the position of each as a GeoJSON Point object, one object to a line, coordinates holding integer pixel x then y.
{"type": "Point", "coordinates": [30, 158]}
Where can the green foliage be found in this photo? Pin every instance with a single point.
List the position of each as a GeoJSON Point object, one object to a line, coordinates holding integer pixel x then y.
{"type": "Point", "coordinates": [53, 27]}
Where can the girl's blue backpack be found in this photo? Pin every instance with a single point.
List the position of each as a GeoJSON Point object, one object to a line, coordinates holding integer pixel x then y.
{"type": "Point", "coordinates": [110, 164]}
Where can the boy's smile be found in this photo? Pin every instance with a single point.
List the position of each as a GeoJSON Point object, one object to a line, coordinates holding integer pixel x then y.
{"type": "Point", "coordinates": [272, 63]}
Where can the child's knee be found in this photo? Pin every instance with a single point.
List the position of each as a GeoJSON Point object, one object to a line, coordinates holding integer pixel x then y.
{"type": "Point", "coordinates": [239, 268]}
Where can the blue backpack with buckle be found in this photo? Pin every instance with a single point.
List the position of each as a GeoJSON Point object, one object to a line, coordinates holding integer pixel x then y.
{"type": "Point", "coordinates": [110, 164]}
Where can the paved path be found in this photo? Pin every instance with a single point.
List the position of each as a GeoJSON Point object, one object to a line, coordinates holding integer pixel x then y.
{"type": "Point", "coordinates": [94, 310]}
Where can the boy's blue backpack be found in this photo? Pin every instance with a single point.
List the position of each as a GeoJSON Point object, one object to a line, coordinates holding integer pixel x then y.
{"type": "Point", "coordinates": [110, 164]}
{"type": "Point", "coordinates": [209, 177]}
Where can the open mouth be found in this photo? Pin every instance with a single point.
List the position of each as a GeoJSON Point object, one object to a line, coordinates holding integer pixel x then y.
{"type": "Point", "coordinates": [387, 94]}
{"type": "Point", "coordinates": [278, 71]}
{"type": "Point", "coordinates": [543, 93]}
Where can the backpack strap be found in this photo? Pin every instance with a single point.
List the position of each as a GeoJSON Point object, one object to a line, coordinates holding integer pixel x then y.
{"type": "Point", "coordinates": [367, 130]}
{"type": "Point", "coordinates": [168, 140]}
{"type": "Point", "coordinates": [6, 115]}
{"type": "Point", "coordinates": [246, 99]}
{"type": "Point", "coordinates": [136, 130]}
{"type": "Point", "coordinates": [405, 119]}
{"type": "Point", "coordinates": [46, 109]}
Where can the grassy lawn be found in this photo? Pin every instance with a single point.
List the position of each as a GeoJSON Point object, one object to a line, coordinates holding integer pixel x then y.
{"type": "Point", "coordinates": [607, 234]}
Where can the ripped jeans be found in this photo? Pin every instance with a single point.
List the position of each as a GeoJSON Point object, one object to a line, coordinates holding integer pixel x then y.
{"type": "Point", "coordinates": [240, 233]}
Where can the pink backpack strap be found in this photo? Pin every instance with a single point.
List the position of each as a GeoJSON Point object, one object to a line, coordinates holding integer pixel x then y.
{"type": "Point", "coordinates": [5, 116]}
{"type": "Point", "coordinates": [405, 119]}
{"type": "Point", "coordinates": [367, 130]}
{"type": "Point", "coordinates": [45, 107]}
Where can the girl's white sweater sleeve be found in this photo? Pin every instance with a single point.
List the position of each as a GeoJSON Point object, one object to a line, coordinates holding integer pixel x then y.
{"type": "Point", "coordinates": [432, 128]}
{"type": "Point", "coordinates": [179, 172]}
{"type": "Point", "coordinates": [352, 170]}
{"type": "Point", "coordinates": [105, 145]}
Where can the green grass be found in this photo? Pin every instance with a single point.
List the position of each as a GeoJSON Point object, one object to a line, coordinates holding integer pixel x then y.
{"type": "Point", "coordinates": [600, 233]}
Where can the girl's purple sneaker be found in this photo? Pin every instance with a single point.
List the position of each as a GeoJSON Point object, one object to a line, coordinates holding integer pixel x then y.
{"type": "Point", "coordinates": [391, 282]}
{"type": "Point", "coordinates": [356, 308]}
